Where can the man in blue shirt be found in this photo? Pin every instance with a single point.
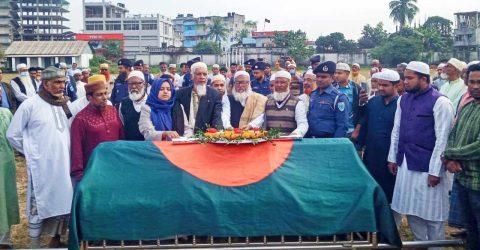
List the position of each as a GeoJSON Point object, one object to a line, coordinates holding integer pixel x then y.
{"type": "Point", "coordinates": [328, 108]}
{"type": "Point", "coordinates": [120, 86]}
{"type": "Point", "coordinates": [356, 98]}
{"type": "Point", "coordinates": [260, 83]}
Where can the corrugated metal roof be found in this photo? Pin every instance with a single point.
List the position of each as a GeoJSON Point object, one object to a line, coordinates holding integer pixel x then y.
{"type": "Point", "coordinates": [32, 48]}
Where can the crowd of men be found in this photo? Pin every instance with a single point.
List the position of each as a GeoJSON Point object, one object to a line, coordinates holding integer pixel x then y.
{"type": "Point", "coordinates": [417, 132]}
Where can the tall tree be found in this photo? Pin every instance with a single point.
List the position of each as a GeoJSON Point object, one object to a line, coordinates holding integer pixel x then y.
{"type": "Point", "coordinates": [295, 42]}
{"type": "Point", "coordinates": [217, 30]}
{"type": "Point", "coordinates": [244, 33]}
{"type": "Point", "coordinates": [442, 25]}
{"type": "Point", "coordinates": [335, 42]}
{"type": "Point", "coordinates": [372, 36]}
{"type": "Point", "coordinates": [403, 11]}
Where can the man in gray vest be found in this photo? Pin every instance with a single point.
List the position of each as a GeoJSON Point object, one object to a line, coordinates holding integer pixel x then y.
{"type": "Point", "coordinates": [130, 107]}
{"type": "Point", "coordinates": [284, 111]}
{"type": "Point", "coordinates": [22, 85]}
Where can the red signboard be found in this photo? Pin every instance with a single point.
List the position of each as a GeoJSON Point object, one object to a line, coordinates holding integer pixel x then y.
{"type": "Point", "coordinates": [99, 37]}
{"type": "Point", "coordinates": [266, 33]}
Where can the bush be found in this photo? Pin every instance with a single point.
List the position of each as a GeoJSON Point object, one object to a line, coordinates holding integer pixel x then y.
{"type": "Point", "coordinates": [207, 47]}
{"type": "Point", "coordinates": [398, 49]}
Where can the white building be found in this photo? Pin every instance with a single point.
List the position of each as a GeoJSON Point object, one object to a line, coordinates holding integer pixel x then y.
{"type": "Point", "coordinates": [47, 53]}
{"type": "Point", "coordinates": [140, 31]}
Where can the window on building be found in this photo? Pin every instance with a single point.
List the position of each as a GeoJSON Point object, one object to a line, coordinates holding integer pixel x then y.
{"type": "Point", "coordinates": [131, 25]}
{"type": "Point", "coordinates": [113, 25]}
{"type": "Point", "coordinates": [94, 25]}
{"type": "Point", "coordinates": [93, 11]}
{"type": "Point", "coordinates": [166, 29]}
{"type": "Point", "coordinates": [149, 25]}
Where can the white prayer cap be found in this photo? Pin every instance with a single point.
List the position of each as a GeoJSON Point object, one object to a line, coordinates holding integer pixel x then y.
{"type": "Point", "coordinates": [216, 66]}
{"type": "Point", "coordinates": [62, 65]}
{"type": "Point", "coordinates": [375, 76]}
{"type": "Point", "coordinates": [459, 65]}
{"type": "Point", "coordinates": [173, 65]}
{"type": "Point", "coordinates": [472, 63]}
{"type": "Point", "coordinates": [272, 77]}
{"type": "Point", "coordinates": [198, 65]}
{"type": "Point", "coordinates": [343, 66]}
{"type": "Point", "coordinates": [77, 71]}
{"type": "Point", "coordinates": [310, 67]}
{"type": "Point", "coordinates": [419, 67]}
{"type": "Point", "coordinates": [218, 77]}
{"type": "Point", "coordinates": [21, 66]}
{"type": "Point", "coordinates": [388, 75]}
{"type": "Point", "coordinates": [241, 73]}
{"type": "Point", "coordinates": [355, 64]}
{"type": "Point", "coordinates": [310, 72]}
{"type": "Point", "coordinates": [86, 70]}
{"type": "Point", "coordinates": [284, 74]}
{"type": "Point", "coordinates": [441, 65]}
{"type": "Point", "coordinates": [136, 73]}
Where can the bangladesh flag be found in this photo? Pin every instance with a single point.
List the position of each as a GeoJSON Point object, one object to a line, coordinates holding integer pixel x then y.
{"type": "Point", "coordinates": [150, 190]}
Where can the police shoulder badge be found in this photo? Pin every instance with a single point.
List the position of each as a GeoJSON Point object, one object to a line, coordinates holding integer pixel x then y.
{"type": "Point", "coordinates": [341, 106]}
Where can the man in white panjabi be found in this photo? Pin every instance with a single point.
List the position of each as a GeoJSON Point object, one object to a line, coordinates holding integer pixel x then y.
{"type": "Point", "coordinates": [40, 130]}
{"type": "Point", "coordinates": [23, 86]}
{"type": "Point", "coordinates": [423, 121]}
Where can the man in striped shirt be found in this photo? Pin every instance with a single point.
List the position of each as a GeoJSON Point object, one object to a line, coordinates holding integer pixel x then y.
{"type": "Point", "coordinates": [462, 157]}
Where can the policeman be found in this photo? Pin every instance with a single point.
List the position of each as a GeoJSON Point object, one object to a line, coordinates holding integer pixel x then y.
{"type": "Point", "coordinates": [260, 82]}
{"type": "Point", "coordinates": [120, 86]}
{"type": "Point", "coordinates": [248, 66]}
{"type": "Point", "coordinates": [328, 110]}
{"type": "Point", "coordinates": [141, 66]}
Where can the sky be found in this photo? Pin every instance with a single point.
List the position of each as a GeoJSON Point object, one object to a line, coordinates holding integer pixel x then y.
{"type": "Point", "coordinates": [315, 17]}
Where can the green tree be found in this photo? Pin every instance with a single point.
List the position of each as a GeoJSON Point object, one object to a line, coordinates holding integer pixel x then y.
{"type": "Point", "coordinates": [207, 47]}
{"type": "Point", "coordinates": [372, 36]}
{"type": "Point", "coordinates": [442, 25]}
{"type": "Point", "coordinates": [244, 33]}
{"type": "Point", "coordinates": [113, 50]}
{"type": "Point", "coordinates": [403, 11]}
{"type": "Point", "coordinates": [335, 42]}
{"type": "Point", "coordinates": [295, 44]}
{"type": "Point", "coordinates": [217, 30]}
{"type": "Point", "coordinates": [398, 49]}
{"type": "Point", "coordinates": [99, 59]}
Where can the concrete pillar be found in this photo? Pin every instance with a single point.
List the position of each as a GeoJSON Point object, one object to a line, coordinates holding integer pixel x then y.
{"type": "Point", "coordinates": [14, 65]}
{"type": "Point", "coordinates": [39, 62]}
{"type": "Point", "coordinates": [56, 59]}
{"type": "Point", "coordinates": [73, 60]}
{"type": "Point", "coordinates": [28, 61]}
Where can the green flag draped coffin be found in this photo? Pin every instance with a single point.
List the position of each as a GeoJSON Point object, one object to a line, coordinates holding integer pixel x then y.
{"type": "Point", "coordinates": [151, 190]}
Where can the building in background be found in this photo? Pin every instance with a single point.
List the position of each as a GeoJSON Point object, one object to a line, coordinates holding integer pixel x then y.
{"type": "Point", "coordinates": [47, 53]}
{"type": "Point", "coordinates": [264, 39]}
{"type": "Point", "coordinates": [140, 32]}
{"type": "Point", "coordinates": [196, 29]}
{"type": "Point", "coordinates": [467, 35]}
{"type": "Point", "coordinates": [6, 23]}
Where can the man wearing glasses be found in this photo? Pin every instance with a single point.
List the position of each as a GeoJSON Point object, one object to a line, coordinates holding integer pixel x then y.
{"type": "Point", "coordinates": [328, 109]}
{"type": "Point", "coordinates": [130, 107]}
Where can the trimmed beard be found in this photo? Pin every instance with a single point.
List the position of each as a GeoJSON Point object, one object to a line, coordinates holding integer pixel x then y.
{"type": "Point", "coordinates": [242, 97]}
{"type": "Point", "coordinates": [136, 96]}
{"type": "Point", "coordinates": [280, 97]}
{"type": "Point", "coordinates": [201, 89]}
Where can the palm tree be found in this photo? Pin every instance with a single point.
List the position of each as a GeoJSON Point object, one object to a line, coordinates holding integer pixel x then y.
{"type": "Point", "coordinates": [242, 34]}
{"type": "Point", "coordinates": [403, 11]}
{"type": "Point", "coordinates": [217, 30]}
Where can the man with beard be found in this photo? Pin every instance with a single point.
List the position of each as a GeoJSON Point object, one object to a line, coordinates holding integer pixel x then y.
{"type": "Point", "coordinates": [39, 130]}
{"type": "Point", "coordinates": [454, 86]}
{"type": "Point", "coordinates": [246, 107]}
{"type": "Point", "coordinates": [260, 83]}
{"type": "Point", "coordinates": [268, 70]}
{"type": "Point", "coordinates": [79, 85]}
{"type": "Point", "coordinates": [249, 65]}
{"type": "Point", "coordinates": [376, 130]}
{"type": "Point", "coordinates": [423, 120]}
{"type": "Point", "coordinates": [22, 85]}
{"type": "Point", "coordinates": [96, 123]}
{"type": "Point", "coordinates": [309, 85]}
{"type": "Point", "coordinates": [219, 84]}
{"type": "Point", "coordinates": [202, 104]}
{"type": "Point", "coordinates": [120, 87]}
{"type": "Point", "coordinates": [356, 76]}
{"type": "Point", "coordinates": [130, 107]}
{"type": "Point", "coordinates": [284, 111]}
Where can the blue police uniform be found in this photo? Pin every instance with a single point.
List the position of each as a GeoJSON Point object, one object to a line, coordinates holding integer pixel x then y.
{"type": "Point", "coordinates": [261, 87]}
{"type": "Point", "coordinates": [120, 90]}
{"type": "Point", "coordinates": [328, 114]}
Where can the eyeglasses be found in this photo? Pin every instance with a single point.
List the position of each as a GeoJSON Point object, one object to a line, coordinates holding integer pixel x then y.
{"type": "Point", "coordinates": [242, 82]}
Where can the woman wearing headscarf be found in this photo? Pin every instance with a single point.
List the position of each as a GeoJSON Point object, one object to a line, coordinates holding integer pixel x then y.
{"type": "Point", "coordinates": [161, 118]}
